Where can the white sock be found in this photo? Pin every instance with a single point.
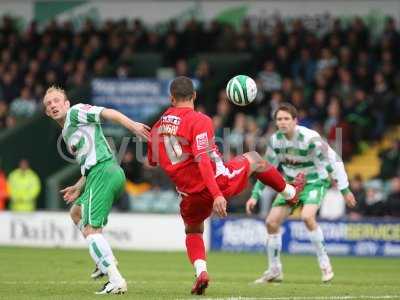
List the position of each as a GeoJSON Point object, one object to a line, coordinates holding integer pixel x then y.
{"type": "Point", "coordinates": [317, 239]}
{"type": "Point", "coordinates": [101, 253]}
{"type": "Point", "coordinates": [80, 227]}
{"type": "Point", "coordinates": [274, 247]}
{"type": "Point", "coordinates": [289, 192]}
{"type": "Point", "coordinates": [200, 266]}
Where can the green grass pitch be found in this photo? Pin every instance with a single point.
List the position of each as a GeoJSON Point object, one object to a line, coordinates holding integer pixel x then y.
{"type": "Point", "coordinates": [28, 273]}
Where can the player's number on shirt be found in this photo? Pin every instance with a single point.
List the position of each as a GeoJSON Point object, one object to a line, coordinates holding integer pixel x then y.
{"type": "Point", "coordinates": [173, 149]}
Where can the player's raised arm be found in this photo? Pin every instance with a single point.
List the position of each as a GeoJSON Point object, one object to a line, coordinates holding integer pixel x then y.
{"type": "Point", "coordinates": [137, 128]}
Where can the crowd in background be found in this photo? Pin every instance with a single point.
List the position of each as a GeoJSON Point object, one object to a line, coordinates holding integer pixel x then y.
{"type": "Point", "coordinates": [345, 79]}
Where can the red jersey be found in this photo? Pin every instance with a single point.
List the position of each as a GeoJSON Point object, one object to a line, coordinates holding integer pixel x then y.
{"type": "Point", "coordinates": [181, 135]}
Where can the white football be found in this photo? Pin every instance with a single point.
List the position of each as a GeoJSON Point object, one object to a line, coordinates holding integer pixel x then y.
{"type": "Point", "coordinates": [241, 90]}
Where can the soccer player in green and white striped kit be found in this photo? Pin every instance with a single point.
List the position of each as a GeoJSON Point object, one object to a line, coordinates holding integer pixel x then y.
{"type": "Point", "coordinates": [299, 149]}
{"type": "Point", "coordinates": [102, 180]}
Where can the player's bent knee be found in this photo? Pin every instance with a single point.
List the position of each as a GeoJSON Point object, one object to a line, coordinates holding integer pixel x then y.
{"type": "Point", "coordinates": [272, 225]}
{"type": "Point", "coordinates": [308, 219]}
{"type": "Point", "coordinates": [88, 230]}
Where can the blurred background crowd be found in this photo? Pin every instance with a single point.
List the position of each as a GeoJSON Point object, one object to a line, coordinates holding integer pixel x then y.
{"type": "Point", "coordinates": [345, 84]}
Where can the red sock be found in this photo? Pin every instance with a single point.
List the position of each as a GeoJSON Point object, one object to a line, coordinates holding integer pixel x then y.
{"type": "Point", "coordinates": [272, 178]}
{"type": "Point", "coordinates": [195, 247]}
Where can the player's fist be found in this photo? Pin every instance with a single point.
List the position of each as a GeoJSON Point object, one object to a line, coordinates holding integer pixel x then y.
{"type": "Point", "coordinates": [250, 204]}
{"type": "Point", "coordinates": [219, 206]}
{"type": "Point", "coordinates": [350, 199]}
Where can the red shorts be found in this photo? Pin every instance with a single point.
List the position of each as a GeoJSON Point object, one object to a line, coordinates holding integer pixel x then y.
{"type": "Point", "coordinates": [195, 208]}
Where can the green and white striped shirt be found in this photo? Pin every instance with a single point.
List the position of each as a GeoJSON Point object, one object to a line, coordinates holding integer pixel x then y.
{"type": "Point", "coordinates": [306, 152]}
{"type": "Point", "coordinates": [84, 136]}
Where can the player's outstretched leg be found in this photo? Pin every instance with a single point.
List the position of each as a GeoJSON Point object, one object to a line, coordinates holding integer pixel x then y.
{"type": "Point", "coordinates": [196, 252]}
{"type": "Point", "coordinates": [270, 176]}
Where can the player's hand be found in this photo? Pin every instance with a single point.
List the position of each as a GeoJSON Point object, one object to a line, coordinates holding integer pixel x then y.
{"type": "Point", "coordinates": [71, 193]}
{"type": "Point", "coordinates": [250, 204]}
{"type": "Point", "coordinates": [219, 206]}
{"type": "Point", "coordinates": [141, 130]}
{"type": "Point", "coordinates": [350, 200]}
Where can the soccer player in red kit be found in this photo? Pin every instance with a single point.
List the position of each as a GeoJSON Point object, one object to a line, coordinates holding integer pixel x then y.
{"type": "Point", "coordinates": [182, 143]}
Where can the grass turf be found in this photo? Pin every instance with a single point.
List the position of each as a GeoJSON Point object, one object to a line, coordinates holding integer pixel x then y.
{"type": "Point", "coordinates": [28, 273]}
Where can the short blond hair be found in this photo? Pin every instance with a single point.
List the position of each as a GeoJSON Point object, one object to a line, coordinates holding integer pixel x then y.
{"type": "Point", "coordinates": [54, 88]}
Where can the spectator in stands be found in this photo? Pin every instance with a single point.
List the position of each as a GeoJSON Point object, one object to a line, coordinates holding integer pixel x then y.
{"type": "Point", "coordinates": [337, 130]}
{"type": "Point", "coordinates": [345, 57]}
{"type": "Point", "coordinates": [298, 98]}
{"type": "Point", "coordinates": [224, 108]}
{"type": "Point", "coordinates": [345, 87]}
{"type": "Point", "coordinates": [9, 86]}
{"type": "Point", "coordinates": [327, 60]}
{"type": "Point", "coordinates": [318, 107]}
{"type": "Point", "coordinates": [171, 52]}
{"type": "Point", "coordinates": [24, 186]}
{"type": "Point", "coordinates": [360, 117]}
{"type": "Point", "coordinates": [374, 200]}
{"type": "Point", "coordinates": [132, 167]}
{"type": "Point", "coordinates": [3, 114]}
{"type": "Point", "coordinates": [287, 89]}
{"type": "Point", "coordinates": [357, 187]}
{"type": "Point", "coordinates": [390, 161]}
{"type": "Point", "coordinates": [270, 79]}
{"type": "Point", "coordinates": [24, 106]}
{"type": "Point", "coordinates": [304, 68]}
{"type": "Point", "coordinates": [383, 103]}
{"type": "Point", "coordinates": [283, 62]}
{"type": "Point", "coordinates": [4, 191]}
{"type": "Point", "coordinates": [236, 137]}
{"type": "Point", "coordinates": [181, 67]}
{"type": "Point", "coordinates": [393, 200]}
{"type": "Point", "coordinates": [208, 86]}
{"type": "Point", "coordinates": [274, 102]}
{"type": "Point", "coordinates": [252, 135]}
{"type": "Point", "coordinates": [135, 184]}
{"type": "Point", "coordinates": [304, 119]}
{"type": "Point", "coordinates": [123, 71]}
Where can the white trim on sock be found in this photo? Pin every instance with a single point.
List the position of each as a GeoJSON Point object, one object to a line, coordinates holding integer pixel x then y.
{"type": "Point", "coordinates": [200, 265]}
